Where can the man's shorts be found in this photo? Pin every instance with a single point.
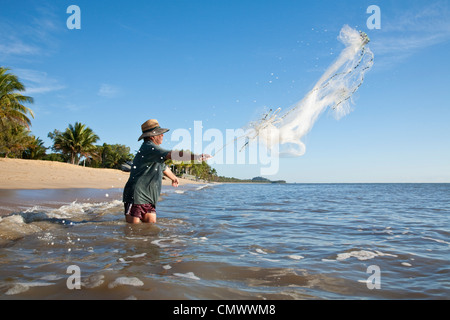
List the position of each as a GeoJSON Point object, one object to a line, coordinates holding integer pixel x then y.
{"type": "Point", "coordinates": [139, 210]}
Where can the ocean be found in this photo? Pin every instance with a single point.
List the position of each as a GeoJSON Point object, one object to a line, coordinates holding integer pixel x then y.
{"type": "Point", "coordinates": [230, 242]}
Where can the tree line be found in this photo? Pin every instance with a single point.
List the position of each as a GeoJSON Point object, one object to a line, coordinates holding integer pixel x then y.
{"type": "Point", "coordinates": [75, 145]}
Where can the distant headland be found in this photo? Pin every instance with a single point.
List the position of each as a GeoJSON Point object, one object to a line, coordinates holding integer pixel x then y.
{"type": "Point", "coordinates": [253, 180]}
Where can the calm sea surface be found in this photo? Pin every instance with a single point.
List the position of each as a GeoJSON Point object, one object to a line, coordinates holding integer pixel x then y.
{"type": "Point", "coordinates": [230, 241]}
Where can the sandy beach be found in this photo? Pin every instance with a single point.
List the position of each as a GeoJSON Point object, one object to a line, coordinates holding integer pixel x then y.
{"type": "Point", "coordinates": [39, 174]}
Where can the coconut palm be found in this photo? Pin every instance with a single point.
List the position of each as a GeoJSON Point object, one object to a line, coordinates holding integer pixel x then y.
{"type": "Point", "coordinates": [11, 101]}
{"type": "Point", "coordinates": [35, 149]}
{"type": "Point", "coordinates": [77, 141]}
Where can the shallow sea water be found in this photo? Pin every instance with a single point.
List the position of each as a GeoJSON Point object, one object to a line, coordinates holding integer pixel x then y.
{"type": "Point", "coordinates": [230, 241]}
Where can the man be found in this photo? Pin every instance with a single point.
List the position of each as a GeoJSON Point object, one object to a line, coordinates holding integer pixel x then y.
{"type": "Point", "coordinates": [142, 191]}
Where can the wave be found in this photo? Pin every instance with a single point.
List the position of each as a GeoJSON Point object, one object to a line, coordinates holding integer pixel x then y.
{"type": "Point", "coordinates": [37, 219]}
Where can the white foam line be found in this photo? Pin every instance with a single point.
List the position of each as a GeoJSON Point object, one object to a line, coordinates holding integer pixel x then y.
{"type": "Point", "coordinates": [362, 255]}
{"type": "Point", "coordinates": [295, 257]}
{"type": "Point", "coordinates": [189, 275]}
{"type": "Point", "coordinates": [24, 286]}
{"type": "Point", "coordinates": [270, 260]}
{"type": "Point", "coordinates": [406, 264]}
{"type": "Point", "coordinates": [168, 240]}
{"type": "Point", "coordinates": [137, 256]}
{"type": "Point", "coordinates": [437, 240]}
{"type": "Point", "coordinates": [128, 281]}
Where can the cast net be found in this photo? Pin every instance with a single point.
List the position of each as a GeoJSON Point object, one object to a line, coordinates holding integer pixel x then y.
{"type": "Point", "coordinates": [333, 91]}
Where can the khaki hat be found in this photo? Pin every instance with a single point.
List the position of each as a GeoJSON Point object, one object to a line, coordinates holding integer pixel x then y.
{"type": "Point", "coordinates": [151, 128]}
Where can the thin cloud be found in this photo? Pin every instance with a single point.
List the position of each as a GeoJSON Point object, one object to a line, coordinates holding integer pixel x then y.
{"type": "Point", "coordinates": [108, 91]}
{"type": "Point", "coordinates": [408, 44]}
{"type": "Point", "coordinates": [25, 40]}
{"type": "Point", "coordinates": [16, 47]}
{"type": "Point", "coordinates": [411, 31]}
{"type": "Point", "coordinates": [37, 82]}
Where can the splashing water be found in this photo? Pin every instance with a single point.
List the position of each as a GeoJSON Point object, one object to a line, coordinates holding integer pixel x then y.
{"type": "Point", "coordinates": [334, 89]}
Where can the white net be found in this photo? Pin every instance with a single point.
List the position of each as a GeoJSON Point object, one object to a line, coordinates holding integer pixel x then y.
{"type": "Point", "coordinates": [333, 90]}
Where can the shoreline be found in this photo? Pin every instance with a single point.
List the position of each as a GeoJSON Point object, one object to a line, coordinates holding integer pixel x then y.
{"type": "Point", "coordinates": [22, 174]}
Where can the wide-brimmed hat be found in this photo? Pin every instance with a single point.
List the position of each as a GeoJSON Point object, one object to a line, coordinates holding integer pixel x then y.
{"type": "Point", "coordinates": [151, 128]}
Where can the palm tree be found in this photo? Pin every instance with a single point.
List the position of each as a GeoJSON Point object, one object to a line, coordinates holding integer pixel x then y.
{"type": "Point", "coordinates": [14, 139]}
{"type": "Point", "coordinates": [35, 149]}
{"type": "Point", "coordinates": [77, 141]}
{"type": "Point", "coordinates": [114, 155]}
{"type": "Point", "coordinates": [11, 101]}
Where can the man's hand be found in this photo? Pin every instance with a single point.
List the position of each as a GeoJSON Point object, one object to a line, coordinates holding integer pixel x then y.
{"type": "Point", "coordinates": [203, 157]}
{"type": "Point", "coordinates": [169, 174]}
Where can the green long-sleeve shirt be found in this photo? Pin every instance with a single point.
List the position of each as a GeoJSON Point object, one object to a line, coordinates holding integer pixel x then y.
{"type": "Point", "coordinates": [144, 184]}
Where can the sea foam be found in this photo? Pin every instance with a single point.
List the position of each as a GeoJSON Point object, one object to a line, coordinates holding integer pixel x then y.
{"type": "Point", "coordinates": [127, 281]}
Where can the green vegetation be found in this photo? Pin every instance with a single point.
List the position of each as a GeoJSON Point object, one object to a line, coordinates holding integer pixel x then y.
{"type": "Point", "coordinates": [111, 156]}
{"type": "Point", "coordinates": [193, 170]}
{"type": "Point", "coordinates": [12, 110]}
{"type": "Point", "coordinates": [15, 135]}
{"type": "Point", "coordinates": [265, 180]}
{"type": "Point", "coordinates": [254, 180]}
{"type": "Point", "coordinates": [76, 141]}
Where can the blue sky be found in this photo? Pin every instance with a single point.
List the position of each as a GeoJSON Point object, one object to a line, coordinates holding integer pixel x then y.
{"type": "Point", "coordinates": [224, 62]}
